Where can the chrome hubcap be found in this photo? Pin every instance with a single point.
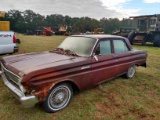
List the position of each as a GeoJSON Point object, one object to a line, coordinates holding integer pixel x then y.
{"type": "Point", "coordinates": [131, 71]}
{"type": "Point", "coordinates": [59, 97]}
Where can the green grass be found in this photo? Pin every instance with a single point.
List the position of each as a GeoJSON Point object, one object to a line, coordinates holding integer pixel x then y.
{"type": "Point", "coordinates": [128, 99]}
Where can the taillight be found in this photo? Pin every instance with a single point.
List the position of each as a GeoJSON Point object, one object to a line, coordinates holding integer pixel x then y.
{"type": "Point", "coordinates": [14, 39]}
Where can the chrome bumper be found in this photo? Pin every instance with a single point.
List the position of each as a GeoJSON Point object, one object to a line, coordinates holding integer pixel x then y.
{"type": "Point", "coordinates": [26, 101]}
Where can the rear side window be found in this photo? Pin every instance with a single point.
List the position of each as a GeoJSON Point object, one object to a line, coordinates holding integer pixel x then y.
{"type": "Point", "coordinates": [120, 46]}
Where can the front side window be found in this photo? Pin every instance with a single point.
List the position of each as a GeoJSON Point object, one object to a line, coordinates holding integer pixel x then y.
{"type": "Point", "coordinates": [120, 46]}
{"type": "Point", "coordinates": [104, 48]}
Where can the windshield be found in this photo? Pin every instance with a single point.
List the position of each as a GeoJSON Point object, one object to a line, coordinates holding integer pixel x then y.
{"type": "Point", "coordinates": [80, 45]}
{"type": "Point", "coordinates": [153, 21]}
{"type": "Point", "coordinates": [152, 24]}
{"type": "Point", "coordinates": [142, 24]}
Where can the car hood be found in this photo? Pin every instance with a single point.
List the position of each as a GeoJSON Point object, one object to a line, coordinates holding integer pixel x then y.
{"type": "Point", "coordinates": [26, 63]}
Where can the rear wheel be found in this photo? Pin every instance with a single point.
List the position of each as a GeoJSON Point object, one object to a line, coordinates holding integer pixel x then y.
{"type": "Point", "coordinates": [156, 42]}
{"type": "Point", "coordinates": [58, 98]}
{"type": "Point", "coordinates": [131, 71]}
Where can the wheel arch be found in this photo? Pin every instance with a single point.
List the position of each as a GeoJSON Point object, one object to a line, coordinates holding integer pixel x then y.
{"type": "Point", "coordinates": [71, 83]}
{"type": "Point", "coordinates": [42, 93]}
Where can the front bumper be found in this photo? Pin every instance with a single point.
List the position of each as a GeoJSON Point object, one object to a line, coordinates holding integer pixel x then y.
{"type": "Point", "coordinates": [26, 101]}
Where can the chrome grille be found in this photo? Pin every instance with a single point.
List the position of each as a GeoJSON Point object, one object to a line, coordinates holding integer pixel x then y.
{"type": "Point", "coordinates": [10, 75]}
{"type": "Point", "coordinates": [13, 78]}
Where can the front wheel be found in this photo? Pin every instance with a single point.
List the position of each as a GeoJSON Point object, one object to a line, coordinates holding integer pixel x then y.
{"type": "Point", "coordinates": [131, 71]}
{"type": "Point", "coordinates": [58, 98]}
{"type": "Point", "coordinates": [131, 36]}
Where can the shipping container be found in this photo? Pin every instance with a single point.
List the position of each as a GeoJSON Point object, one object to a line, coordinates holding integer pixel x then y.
{"type": "Point", "coordinates": [4, 25]}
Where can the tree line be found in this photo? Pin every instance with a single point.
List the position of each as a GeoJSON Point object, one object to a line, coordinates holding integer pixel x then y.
{"type": "Point", "coordinates": [29, 20]}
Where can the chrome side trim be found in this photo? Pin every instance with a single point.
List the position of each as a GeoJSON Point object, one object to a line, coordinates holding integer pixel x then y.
{"type": "Point", "coordinates": [85, 67]}
{"type": "Point", "coordinates": [1, 72]}
{"type": "Point", "coordinates": [94, 47]}
{"type": "Point", "coordinates": [96, 58]}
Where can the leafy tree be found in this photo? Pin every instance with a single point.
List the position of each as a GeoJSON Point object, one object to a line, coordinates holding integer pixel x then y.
{"type": "Point", "coordinates": [33, 21]}
{"type": "Point", "coordinates": [29, 20]}
{"type": "Point", "coordinates": [16, 20]}
{"type": "Point", "coordinates": [85, 24]}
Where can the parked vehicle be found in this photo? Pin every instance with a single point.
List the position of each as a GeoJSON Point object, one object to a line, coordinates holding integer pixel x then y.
{"type": "Point", "coordinates": [7, 38]}
{"type": "Point", "coordinates": [124, 31]}
{"type": "Point", "coordinates": [78, 63]}
{"type": "Point", "coordinates": [147, 29]}
{"type": "Point", "coordinates": [47, 31]}
{"type": "Point", "coordinates": [8, 42]}
{"type": "Point", "coordinates": [62, 30]}
{"type": "Point", "coordinates": [98, 31]}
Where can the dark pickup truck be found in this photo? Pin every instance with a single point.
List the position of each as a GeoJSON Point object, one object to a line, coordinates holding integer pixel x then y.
{"type": "Point", "coordinates": [78, 63]}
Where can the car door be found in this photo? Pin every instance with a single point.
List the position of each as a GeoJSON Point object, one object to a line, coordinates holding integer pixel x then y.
{"type": "Point", "coordinates": [123, 55]}
{"type": "Point", "coordinates": [103, 62]}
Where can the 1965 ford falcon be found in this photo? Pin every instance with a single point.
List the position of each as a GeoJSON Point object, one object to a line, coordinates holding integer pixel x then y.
{"type": "Point", "coordinates": [78, 63]}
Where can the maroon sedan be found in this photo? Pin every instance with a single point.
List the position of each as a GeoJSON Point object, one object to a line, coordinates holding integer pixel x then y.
{"type": "Point", "coordinates": [78, 63]}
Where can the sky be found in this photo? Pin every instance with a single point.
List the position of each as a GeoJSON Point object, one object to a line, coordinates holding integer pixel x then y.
{"type": "Point", "coordinates": [85, 8]}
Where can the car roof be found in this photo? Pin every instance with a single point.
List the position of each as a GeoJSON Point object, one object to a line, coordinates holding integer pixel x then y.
{"type": "Point", "coordinates": [98, 36]}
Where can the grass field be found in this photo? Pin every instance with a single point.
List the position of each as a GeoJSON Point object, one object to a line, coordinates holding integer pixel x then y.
{"type": "Point", "coordinates": [127, 99]}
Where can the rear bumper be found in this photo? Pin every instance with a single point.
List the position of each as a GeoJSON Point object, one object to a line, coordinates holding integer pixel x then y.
{"type": "Point", "coordinates": [16, 49]}
{"type": "Point", "coordinates": [26, 101]}
{"type": "Point", "coordinates": [8, 48]}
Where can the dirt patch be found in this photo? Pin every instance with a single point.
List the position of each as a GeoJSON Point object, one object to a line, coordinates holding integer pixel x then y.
{"type": "Point", "coordinates": [108, 107]}
{"type": "Point", "coordinates": [103, 111]}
